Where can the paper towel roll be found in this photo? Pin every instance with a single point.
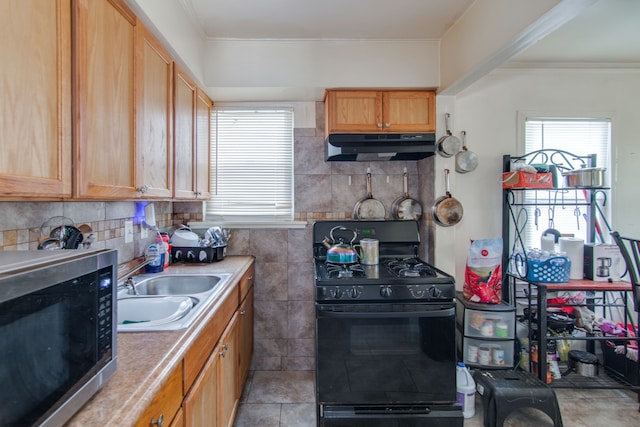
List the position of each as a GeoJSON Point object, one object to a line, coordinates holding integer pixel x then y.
{"type": "Point", "coordinates": [548, 242]}
{"type": "Point", "coordinates": [574, 248]}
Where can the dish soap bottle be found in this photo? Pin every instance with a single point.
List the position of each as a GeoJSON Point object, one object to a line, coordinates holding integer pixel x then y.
{"type": "Point", "coordinates": [466, 390]}
{"type": "Point", "coordinates": [155, 255]}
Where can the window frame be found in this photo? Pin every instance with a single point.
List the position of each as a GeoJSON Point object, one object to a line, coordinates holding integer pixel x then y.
{"type": "Point", "coordinates": [522, 118]}
{"type": "Point", "coordinates": [253, 221]}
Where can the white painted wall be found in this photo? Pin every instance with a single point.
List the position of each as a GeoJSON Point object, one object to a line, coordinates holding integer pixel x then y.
{"type": "Point", "coordinates": [306, 67]}
{"type": "Point", "coordinates": [487, 111]}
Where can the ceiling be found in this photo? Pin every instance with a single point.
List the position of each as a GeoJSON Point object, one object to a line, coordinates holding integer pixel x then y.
{"type": "Point", "coordinates": [607, 32]}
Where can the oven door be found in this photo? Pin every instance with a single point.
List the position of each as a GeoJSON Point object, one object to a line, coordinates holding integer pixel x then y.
{"type": "Point", "coordinates": [385, 354]}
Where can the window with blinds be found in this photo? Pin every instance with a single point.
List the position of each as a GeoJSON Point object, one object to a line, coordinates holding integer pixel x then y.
{"type": "Point", "coordinates": [251, 165]}
{"type": "Point", "coordinates": [580, 136]}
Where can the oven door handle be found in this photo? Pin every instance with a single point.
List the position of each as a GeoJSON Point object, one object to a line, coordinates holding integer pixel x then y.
{"type": "Point", "coordinates": [448, 312]}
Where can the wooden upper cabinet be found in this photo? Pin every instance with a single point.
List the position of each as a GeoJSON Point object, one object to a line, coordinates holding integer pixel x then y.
{"type": "Point", "coordinates": [353, 111]}
{"type": "Point", "coordinates": [203, 144]}
{"type": "Point", "coordinates": [184, 101]}
{"type": "Point", "coordinates": [379, 111]}
{"type": "Point", "coordinates": [35, 106]}
{"type": "Point", "coordinates": [104, 109]}
{"type": "Point", "coordinates": [409, 111]}
{"type": "Point", "coordinates": [192, 124]}
{"type": "Point", "coordinates": [154, 117]}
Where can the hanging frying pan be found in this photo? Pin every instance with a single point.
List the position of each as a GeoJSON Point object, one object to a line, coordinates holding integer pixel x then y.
{"type": "Point", "coordinates": [405, 207]}
{"type": "Point", "coordinates": [466, 160]}
{"type": "Point", "coordinates": [447, 210]}
{"type": "Point", "coordinates": [448, 145]}
{"type": "Point", "coordinates": [368, 207]}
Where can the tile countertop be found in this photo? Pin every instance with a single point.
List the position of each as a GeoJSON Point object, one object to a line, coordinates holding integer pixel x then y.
{"type": "Point", "coordinates": [145, 359]}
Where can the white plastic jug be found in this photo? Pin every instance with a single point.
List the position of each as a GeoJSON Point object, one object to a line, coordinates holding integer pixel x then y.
{"type": "Point", "coordinates": [466, 390]}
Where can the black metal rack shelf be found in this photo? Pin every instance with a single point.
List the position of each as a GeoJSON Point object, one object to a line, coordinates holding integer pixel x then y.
{"type": "Point", "coordinates": [599, 295]}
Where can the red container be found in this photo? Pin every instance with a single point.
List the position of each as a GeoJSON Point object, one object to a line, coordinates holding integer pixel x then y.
{"type": "Point", "coordinates": [527, 180]}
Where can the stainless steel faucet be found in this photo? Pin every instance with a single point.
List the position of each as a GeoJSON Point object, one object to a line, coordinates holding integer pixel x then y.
{"type": "Point", "coordinates": [126, 281]}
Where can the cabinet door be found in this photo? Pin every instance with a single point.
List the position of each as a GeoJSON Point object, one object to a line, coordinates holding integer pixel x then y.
{"type": "Point", "coordinates": [166, 403]}
{"type": "Point", "coordinates": [35, 106]}
{"type": "Point", "coordinates": [104, 126]}
{"type": "Point", "coordinates": [353, 111]}
{"type": "Point", "coordinates": [408, 111]}
{"type": "Point", "coordinates": [154, 121]}
{"type": "Point", "coordinates": [245, 340]}
{"type": "Point", "coordinates": [228, 374]}
{"type": "Point", "coordinates": [184, 134]}
{"type": "Point", "coordinates": [203, 144]}
{"type": "Point", "coordinates": [178, 420]}
{"type": "Point", "coordinates": [201, 403]}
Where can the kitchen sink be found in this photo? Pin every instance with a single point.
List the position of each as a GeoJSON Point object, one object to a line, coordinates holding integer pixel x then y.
{"type": "Point", "coordinates": [166, 302]}
{"type": "Point", "coordinates": [152, 311]}
{"type": "Point", "coordinates": [176, 284]}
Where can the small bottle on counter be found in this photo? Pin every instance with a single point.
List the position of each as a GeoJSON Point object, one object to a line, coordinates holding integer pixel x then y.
{"type": "Point", "coordinates": [162, 240]}
{"type": "Point", "coordinates": [155, 255]}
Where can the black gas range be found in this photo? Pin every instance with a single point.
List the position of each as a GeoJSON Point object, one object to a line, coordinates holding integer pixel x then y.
{"type": "Point", "coordinates": [385, 333]}
{"type": "Point", "coordinates": [400, 274]}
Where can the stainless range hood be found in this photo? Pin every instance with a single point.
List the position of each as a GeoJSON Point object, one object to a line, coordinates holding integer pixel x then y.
{"type": "Point", "coordinates": [379, 147]}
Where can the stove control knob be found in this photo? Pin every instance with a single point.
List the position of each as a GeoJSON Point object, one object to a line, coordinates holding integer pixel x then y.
{"type": "Point", "coordinates": [385, 291]}
{"type": "Point", "coordinates": [337, 293]}
{"type": "Point", "coordinates": [435, 292]}
{"type": "Point", "coordinates": [355, 292]}
{"type": "Point", "coordinates": [417, 293]}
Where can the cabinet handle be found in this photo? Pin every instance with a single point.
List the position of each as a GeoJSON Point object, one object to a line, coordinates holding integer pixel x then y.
{"type": "Point", "coordinates": [243, 312]}
{"type": "Point", "coordinates": [143, 189]}
{"type": "Point", "coordinates": [379, 125]}
{"type": "Point", "coordinates": [222, 353]}
{"type": "Point", "coordinates": [198, 194]}
{"type": "Point", "coordinates": [387, 124]}
{"type": "Point", "coordinates": [159, 422]}
{"type": "Point", "coordinates": [225, 347]}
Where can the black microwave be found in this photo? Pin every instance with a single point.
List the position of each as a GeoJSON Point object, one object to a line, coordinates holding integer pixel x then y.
{"type": "Point", "coordinates": [57, 332]}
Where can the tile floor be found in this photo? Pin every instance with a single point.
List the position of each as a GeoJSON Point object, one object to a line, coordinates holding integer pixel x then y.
{"type": "Point", "coordinates": [287, 399]}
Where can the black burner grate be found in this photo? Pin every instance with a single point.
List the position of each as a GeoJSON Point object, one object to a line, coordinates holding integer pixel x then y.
{"type": "Point", "coordinates": [344, 270]}
{"type": "Point", "coordinates": [410, 267]}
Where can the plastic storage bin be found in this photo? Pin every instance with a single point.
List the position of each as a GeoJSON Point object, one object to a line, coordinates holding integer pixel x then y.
{"type": "Point", "coordinates": [485, 333]}
{"type": "Point", "coordinates": [553, 270]}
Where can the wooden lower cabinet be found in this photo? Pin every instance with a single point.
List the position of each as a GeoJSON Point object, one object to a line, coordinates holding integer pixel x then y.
{"type": "Point", "coordinates": [212, 397]}
{"type": "Point", "coordinates": [228, 374]}
{"type": "Point", "coordinates": [204, 389]}
{"type": "Point", "coordinates": [201, 403]}
{"type": "Point", "coordinates": [245, 339]}
{"type": "Point", "coordinates": [178, 421]}
{"type": "Point", "coordinates": [166, 404]}
{"type": "Point", "coordinates": [212, 400]}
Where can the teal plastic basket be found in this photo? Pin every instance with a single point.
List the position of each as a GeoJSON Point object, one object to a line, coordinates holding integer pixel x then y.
{"type": "Point", "coordinates": [552, 270]}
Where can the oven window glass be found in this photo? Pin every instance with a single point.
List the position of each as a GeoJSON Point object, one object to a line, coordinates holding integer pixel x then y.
{"type": "Point", "coordinates": [370, 358]}
{"type": "Point", "coordinates": [47, 346]}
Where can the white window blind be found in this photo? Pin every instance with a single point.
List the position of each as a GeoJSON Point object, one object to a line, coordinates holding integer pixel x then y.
{"type": "Point", "coordinates": [251, 165]}
{"type": "Point", "coordinates": [578, 136]}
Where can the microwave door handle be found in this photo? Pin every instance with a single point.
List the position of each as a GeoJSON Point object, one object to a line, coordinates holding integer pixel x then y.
{"type": "Point", "coordinates": [449, 312]}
